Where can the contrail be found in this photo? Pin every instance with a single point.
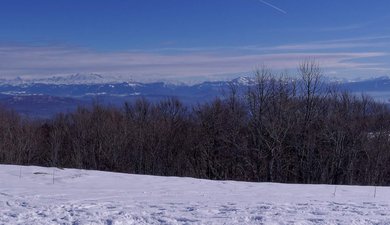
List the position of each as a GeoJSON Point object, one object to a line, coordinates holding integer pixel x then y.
{"type": "Point", "coordinates": [273, 6]}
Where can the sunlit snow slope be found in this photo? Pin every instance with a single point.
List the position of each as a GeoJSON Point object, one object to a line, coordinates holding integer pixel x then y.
{"type": "Point", "coordinates": [29, 196]}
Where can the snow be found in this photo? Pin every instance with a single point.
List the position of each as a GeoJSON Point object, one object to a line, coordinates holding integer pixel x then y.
{"type": "Point", "coordinates": [73, 79]}
{"type": "Point", "coordinates": [244, 81]}
{"type": "Point", "coordinates": [28, 195]}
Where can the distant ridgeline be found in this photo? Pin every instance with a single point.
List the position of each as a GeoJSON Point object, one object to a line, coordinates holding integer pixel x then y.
{"type": "Point", "coordinates": [43, 98]}
{"type": "Point", "coordinates": [270, 129]}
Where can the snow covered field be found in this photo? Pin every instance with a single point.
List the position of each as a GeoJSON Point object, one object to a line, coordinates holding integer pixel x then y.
{"type": "Point", "coordinates": [93, 197]}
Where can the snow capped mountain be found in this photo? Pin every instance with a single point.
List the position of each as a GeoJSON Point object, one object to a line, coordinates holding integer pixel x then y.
{"type": "Point", "coordinates": [93, 78]}
{"type": "Point", "coordinates": [116, 90]}
{"type": "Point", "coordinates": [73, 79]}
{"type": "Point", "coordinates": [381, 78]}
{"type": "Point", "coordinates": [244, 81]}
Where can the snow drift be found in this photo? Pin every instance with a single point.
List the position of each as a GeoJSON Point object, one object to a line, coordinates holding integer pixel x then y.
{"type": "Point", "coordinates": [30, 195]}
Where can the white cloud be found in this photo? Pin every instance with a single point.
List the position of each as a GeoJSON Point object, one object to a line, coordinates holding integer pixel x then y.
{"type": "Point", "coordinates": [180, 65]}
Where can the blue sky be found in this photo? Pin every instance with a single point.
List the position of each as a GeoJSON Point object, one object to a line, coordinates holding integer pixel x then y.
{"type": "Point", "coordinates": [189, 40]}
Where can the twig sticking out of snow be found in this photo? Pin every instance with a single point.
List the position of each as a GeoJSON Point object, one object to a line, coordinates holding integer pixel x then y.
{"type": "Point", "coordinates": [334, 192]}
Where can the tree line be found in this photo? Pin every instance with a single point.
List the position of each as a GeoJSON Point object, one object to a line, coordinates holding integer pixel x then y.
{"type": "Point", "coordinates": [277, 130]}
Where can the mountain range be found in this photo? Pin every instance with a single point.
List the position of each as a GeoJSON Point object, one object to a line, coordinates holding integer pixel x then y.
{"type": "Point", "coordinates": [45, 97]}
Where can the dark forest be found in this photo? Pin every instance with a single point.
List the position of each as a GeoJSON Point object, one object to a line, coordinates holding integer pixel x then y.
{"type": "Point", "coordinates": [278, 130]}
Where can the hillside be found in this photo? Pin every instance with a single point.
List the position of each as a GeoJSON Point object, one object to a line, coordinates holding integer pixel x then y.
{"type": "Point", "coordinates": [29, 196]}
